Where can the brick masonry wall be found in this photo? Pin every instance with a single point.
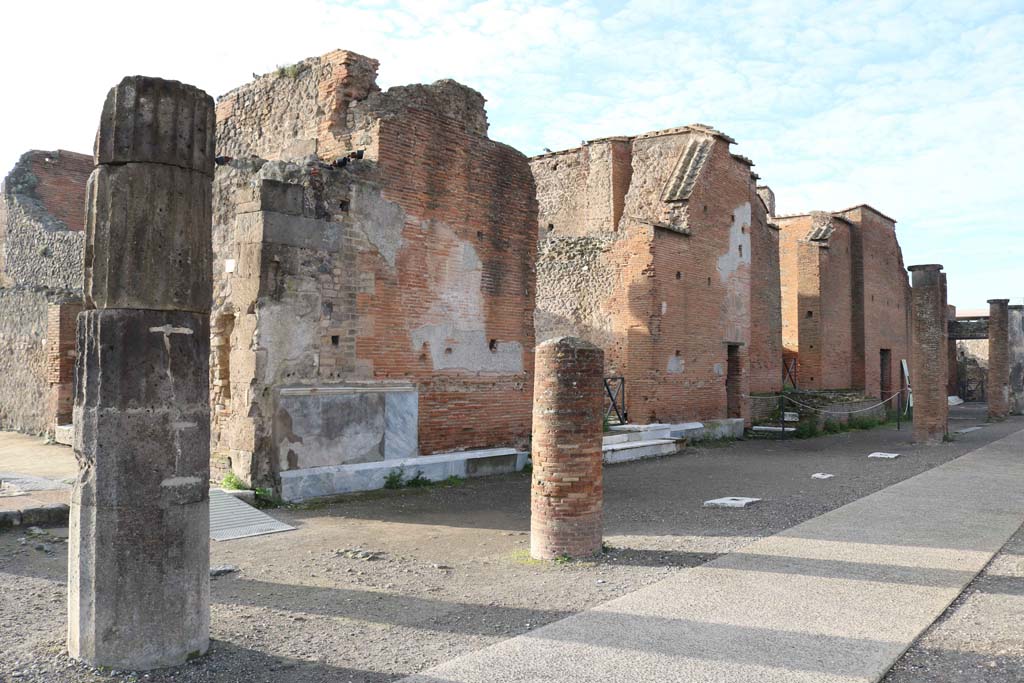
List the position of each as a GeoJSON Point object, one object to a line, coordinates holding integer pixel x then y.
{"type": "Point", "coordinates": [426, 274]}
{"type": "Point", "coordinates": [667, 288]}
{"type": "Point", "coordinates": [42, 205]}
{"type": "Point", "coordinates": [857, 289]}
{"type": "Point", "coordinates": [928, 353]}
{"type": "Point", "coordinates": [41, 221]}
{"type": "Point", "coordinates": [886, 302]}
{"type": "Point", "coordinates": [61, 336]}
{"type": "Point", "coordinates": [765, 303]}
{"type": "Point", "coordinates": [998, 388]}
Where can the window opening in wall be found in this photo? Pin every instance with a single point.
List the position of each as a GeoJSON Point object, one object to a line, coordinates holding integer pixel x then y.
{"type": "Point", "coordinates": [741, 250]}
{"type": "Point", "coordinates": [679, 275]}
{"type": "Point", "coordinates": [493, 345]}
{"type": "Point", "coordinates": [343, 205]}
{"type": "Point", "coordinates": [335, 340]}
{"type": "Point", "coordinates": [709, 282]}
{"type": "Point", "coordinates": [810, 314]}
{"type": "Point", "coordinates": [551, 227]}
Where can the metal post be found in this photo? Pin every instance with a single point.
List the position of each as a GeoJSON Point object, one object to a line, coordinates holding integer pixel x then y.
{"type": "Point", "coordinates": [899, 409]}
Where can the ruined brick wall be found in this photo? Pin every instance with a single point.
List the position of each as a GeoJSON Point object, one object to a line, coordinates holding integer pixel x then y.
{"type": "Point", "coordinates": [61, 352]}
{"type": "Point", "coordinates": [42, 204]}
{"type": "Point", "coordinates": [856, 289]}
{"type": "Point", "coordinates": [817, 298]}
{"type": "Point", "coordinates": [327, 106]}
{"type": "Point", "coordinates": [765, 301]}
{"type": "Point", "coordinates": [418, 268]}
{"type": "Point", "coordinates": [886, 299]}
{"type": "Point", "coordinates": [667, 289]}
{"type": "Point", "coordinates": [793, 229]}
{"type": "Point", "coordinates": [41, 220]}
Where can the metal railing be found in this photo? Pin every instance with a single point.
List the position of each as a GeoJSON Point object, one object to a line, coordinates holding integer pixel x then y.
{"type": "Point", "coordinates": [615, 390]}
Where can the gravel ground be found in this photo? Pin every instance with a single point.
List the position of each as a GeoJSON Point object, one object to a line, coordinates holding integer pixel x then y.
{"type": "Point", "coordinates": [981, 636]}
{"type": "Point", "coordinates": [381, 585]}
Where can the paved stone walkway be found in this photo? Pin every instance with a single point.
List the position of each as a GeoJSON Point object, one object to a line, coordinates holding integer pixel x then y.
{"type": "Point", "coordinates": [36, 470]}
{"type": "Point", "coordinates": [836, 599]}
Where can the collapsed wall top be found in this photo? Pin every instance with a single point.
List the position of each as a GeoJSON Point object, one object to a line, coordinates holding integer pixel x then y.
{"type": "Point", "coordinates": [151, 120]}
{"type": "Point", "coordinates": [329, 106]}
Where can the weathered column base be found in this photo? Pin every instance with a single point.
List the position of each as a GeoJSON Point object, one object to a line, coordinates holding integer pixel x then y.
{"type": "Point", "coordinates": [138, 551]}
{"type": "Point", "coordinates": [128, 557]}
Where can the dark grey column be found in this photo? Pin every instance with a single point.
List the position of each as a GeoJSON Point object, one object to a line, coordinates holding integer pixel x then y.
{"type": "Point", "coordinates": [138, 570]}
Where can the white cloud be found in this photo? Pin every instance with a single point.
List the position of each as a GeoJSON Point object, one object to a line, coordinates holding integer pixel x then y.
{"type": "Point", "coordinates": [913, 107]}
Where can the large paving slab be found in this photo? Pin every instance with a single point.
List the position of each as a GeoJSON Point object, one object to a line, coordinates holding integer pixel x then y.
{"type": "Point", "coordinates": [836, 599]}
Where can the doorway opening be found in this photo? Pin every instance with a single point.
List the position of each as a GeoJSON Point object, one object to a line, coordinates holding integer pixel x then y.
{"type": "Point", "coordinates": [733, 395]}
{"type": "Point", "coordinates": [885, 373]}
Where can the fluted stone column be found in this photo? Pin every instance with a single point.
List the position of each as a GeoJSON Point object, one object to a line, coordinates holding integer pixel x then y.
{"type": "Point", "coordinates": [567, 494]}
{"type": "Point", "coordinates": [928, 353]}
{"type": "Point", "coordinates": [138, 570]}
{"type": "Point", "coordinates": [998, 389]}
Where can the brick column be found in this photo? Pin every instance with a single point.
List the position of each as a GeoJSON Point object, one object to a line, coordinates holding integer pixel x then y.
{"type": "Point", "coordinates": [138, 565]}
{"type": "Point", "coordinates": [998, 385]}
{"type": "Point", "coordinates": [928, 353]}
{"type": "Point", "coordinates": [567, 492]}
{"type": "Point", "coordinates": [61, 323]}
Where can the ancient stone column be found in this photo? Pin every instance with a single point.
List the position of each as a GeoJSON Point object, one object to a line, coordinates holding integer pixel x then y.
{"type": "Point", "coordinates": [929, 333]}
{"type": "Point", "coordinates": [998, 384]}
{"type": "Point", "coordinates": [567, 494]}
{"type": "Point", "coordinates": [138, 566]}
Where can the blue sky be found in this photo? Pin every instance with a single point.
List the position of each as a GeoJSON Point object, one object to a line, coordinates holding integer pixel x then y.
{"type": "Point", "coordinates": [913, 107]}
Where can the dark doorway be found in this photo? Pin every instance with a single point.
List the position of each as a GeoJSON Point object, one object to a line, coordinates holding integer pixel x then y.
{"type": "Point", "coordinates": [733, 373]}
{"type": "Point", "coordinates": [885, 378]}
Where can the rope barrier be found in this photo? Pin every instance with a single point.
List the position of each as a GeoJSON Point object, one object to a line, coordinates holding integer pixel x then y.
{"type": "Point", "coordinates": [840, 412]}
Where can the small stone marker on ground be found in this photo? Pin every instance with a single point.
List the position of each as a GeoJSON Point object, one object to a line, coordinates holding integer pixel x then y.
{"type": "Point", "coordinates": [886, 456]}
{"type": "Point", "coordinates": [822, 475]}
{"type": "Point", "coordinates": [731, 502]}
{"type": "Point", "coordinates": [967, 430]}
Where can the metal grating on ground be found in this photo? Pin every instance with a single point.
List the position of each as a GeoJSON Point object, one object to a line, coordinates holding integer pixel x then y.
{"type": "Point", "coordinates": [231, 518]}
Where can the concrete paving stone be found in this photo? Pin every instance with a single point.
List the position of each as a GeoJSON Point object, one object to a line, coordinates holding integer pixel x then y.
{"type": "Point", "coordinates": [836, 599]}
{"type": "Point", "coordinates": [731, 502]}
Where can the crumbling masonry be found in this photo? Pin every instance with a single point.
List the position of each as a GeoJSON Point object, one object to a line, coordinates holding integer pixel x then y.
{"type": "Point", "coordinates": [845, 300]}
{"type": "Point", "coordinates": [657, 248]}
{"type": "Point", "coordinates": [374, 286]}
{"type": "Point", "coordinates": [41, 202]}
{"type": "Point", "coordinates": [138, 566]}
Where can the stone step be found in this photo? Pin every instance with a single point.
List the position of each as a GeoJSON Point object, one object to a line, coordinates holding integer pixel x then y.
{"type": "Point", "coordinates": [638, 450]}
{"type": "Point", "coordinates": [321, 482]}
{"type": "Point", "coordinates": [64, 434]}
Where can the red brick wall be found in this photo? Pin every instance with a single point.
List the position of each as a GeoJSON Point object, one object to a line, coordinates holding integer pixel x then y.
{"type": "Point", "coordinates": [765, 303]}
{"type": "Point", "coordinates": [856, 286]}
{"type": "Point", "coordinates": [482, 192]}
{"type": "Point", "coordinates": [61, 326]}
{"type": "Point", "coordinates": [62, 178]}
{"type": "Point", "coordinates": [886, 297]}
